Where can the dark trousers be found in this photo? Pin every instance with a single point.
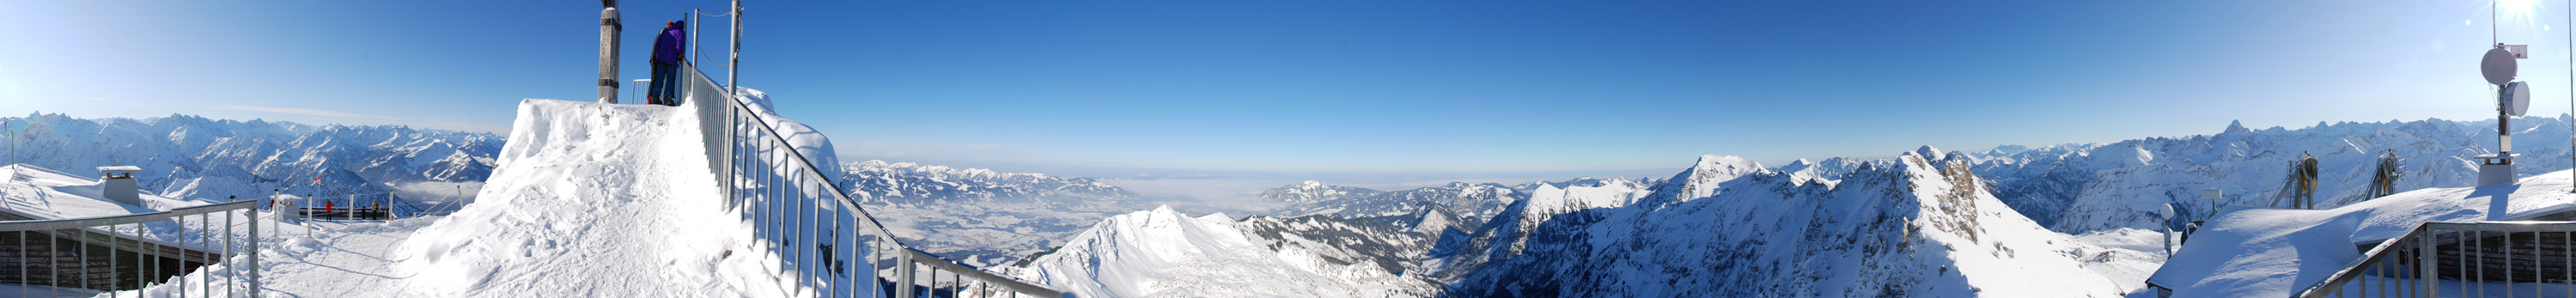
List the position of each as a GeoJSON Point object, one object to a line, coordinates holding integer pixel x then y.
{"type": "Point", "coordinates": [665, 91]}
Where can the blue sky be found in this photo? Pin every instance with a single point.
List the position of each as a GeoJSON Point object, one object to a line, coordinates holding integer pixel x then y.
{"type": "Point", "coordinates": [1401, 88]}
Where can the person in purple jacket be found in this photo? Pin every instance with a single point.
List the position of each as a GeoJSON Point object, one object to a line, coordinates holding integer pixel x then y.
{"type": "Point", "coordinates": [667, 55]}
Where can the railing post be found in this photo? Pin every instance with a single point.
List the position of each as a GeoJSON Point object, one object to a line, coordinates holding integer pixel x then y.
{"type": "Point", "coordinates": [205, 238]}
{"type": "Point", "coordinates": [54, 261]}
{"type": "Point", "coordinates": [80, 236]}
{"type": "Point", "coordinates": [114, 280]}
{"type": "Point", "coordinates": [232, 271]}
{"type": "Point", "coordinates": [2425, 271]}
{"type": "Point", "coordinates": [253, 252]}
{"type": "Point", "coordinates": [903, 272]}
{"type": "Point", "coordinates": [23, 265]}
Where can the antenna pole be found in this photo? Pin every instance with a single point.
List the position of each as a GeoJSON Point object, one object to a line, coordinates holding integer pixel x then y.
{"type": "Point", "coordinates": [733, 66]}
{"type": "Point", "coordinates": [609, 25]}
{"type": "Point", "coordinates": [693, 38]}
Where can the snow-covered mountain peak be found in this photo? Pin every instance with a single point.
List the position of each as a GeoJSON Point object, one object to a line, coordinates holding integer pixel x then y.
{"type": "Point", "coordinates": [1928, 153]}
{"type": "Point", "coordinates": [1796, 165]}
{"type": "Point", "coordinates": [2236, 127]}
{"type": "Point", "coordinates": [1905, 227]}
{"type": "Point", "coordinates": [1162, 253]}
{"type": "Point", "coordinates": [194, 157]}
{"type": "Point", "coordinates": [1702, 178]}
{"type": "Point", "coordinates": [1312, 191]}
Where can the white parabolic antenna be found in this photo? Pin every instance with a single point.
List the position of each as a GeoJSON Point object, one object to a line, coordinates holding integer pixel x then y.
{"type": "Point", "coordinates": [2498, 66]}
{"type": "Point", "coordinates": [2517, 99]}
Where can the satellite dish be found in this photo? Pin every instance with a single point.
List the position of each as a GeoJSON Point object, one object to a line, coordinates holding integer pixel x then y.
{"type": "Point", "coordinates": [2517, 99]}
{"type": "Point", "coordinates": [2498, 66]}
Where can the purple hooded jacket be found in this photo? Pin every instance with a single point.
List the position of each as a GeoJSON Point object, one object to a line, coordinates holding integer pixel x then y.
{"type": "Point", "coordinates": [667, 48]}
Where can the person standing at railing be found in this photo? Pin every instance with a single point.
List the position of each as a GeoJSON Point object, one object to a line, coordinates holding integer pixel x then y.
{"type": "Point", "coordinates": [667, 54]}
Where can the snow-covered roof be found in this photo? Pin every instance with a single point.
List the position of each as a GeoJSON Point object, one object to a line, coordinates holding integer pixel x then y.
{"type": "Point", "coordinates": [2266, 252]}
{"type": "Point", "coordinates": [119, 169]}
{"type": "Point", "coordinates": [41, 193]}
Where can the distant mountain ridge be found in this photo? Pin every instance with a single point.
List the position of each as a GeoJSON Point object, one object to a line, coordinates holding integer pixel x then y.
{"type": "Point", "coordinates": [194, 157]}
{"type": "Point", "coordinates": [1317, 198]}
{"type": "Point", "coordinates": [909, 183]}
{"type": "Point", "coordinates": [1929, 222]}
{"type": "Point", "coordinates": [980, 217]}
{"type": "Point", "coordinates": [2078, 188]}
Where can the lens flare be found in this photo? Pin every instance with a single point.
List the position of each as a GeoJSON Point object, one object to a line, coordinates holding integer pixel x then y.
{"type": "Point", "coordinates": [2516, 7]}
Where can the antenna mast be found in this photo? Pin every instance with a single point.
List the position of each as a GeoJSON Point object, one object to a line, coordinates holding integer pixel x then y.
{"type": "Point", "coordinates": [733, 66]}
{"type": "Point", "coordinates": [2513, 98]}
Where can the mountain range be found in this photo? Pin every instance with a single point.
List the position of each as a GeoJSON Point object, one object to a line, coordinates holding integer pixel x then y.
{"type": "Point", "coordinates": [194, 157]}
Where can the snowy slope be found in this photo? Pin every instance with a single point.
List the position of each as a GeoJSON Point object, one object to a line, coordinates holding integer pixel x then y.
{"type": "Point", "coordinates": [1903, 229]}
{"type": "Point", "coordinates": [593, 200]}
{"type": "Point", "coordinates": [980, 217]}
{"type": "Point", "coordinates": [1723, 227]}
{"type": "Point", "coordinates": [1162, 253]}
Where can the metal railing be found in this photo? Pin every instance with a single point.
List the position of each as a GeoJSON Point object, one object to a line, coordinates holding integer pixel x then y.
{"type": "Point", "coordinates": [822, 240]}
{"type": "Point", "coordinates": [2480, 259]}
{"type": "Point", "coordinates": [115, 255]}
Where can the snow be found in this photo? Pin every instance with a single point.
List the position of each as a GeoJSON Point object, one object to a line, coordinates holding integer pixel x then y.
{"type": "Point", "coordinates": [1162, 253]}
{"type": "Point", "coordinates": [340, 259]}
{"type": "Point", "coordinates": [2252, 251]}
{"type": "Point", "coordinates": [980, 217]}
{"type": "Point", "coordinates": [2081, 188]}
{"type": "Point", "coordinates": [589, 200]}
{"type": "Point", "coordinates": [192, 157]}
{"type": "Point", "coordinates": [1908, 228]}
{"type": "Point", "coordinates": [807, 141]}
{"type": "Point", "coordinates": [592, 200]}
{"type": "Point", "coordinates": [47, 194]}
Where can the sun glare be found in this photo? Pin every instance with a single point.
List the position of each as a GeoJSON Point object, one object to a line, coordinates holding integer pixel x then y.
{"type": "Point", "coordinates": [2516, 7]}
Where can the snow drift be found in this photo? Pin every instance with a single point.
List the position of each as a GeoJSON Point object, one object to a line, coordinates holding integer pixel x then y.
{"type": "Point", "coordinates": [592, 200]}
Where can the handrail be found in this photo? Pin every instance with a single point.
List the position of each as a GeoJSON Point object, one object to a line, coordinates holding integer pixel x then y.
{"type": "Point", "coordinates": [978, 274]}
{"type": "Point", "coordinates": [2388, 260]}
{"type": "Point", "coordinates": [2333, 283]}
{"type": "Point", "coordinates": [153, 260]}
{"type": "Point", "coordinates": [85, 222]}
{"type": "Point", "coordinates": [805, 174]}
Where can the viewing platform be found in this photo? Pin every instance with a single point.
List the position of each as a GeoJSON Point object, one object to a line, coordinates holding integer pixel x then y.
{"type": "Point", "coordinates": [2492, 235]}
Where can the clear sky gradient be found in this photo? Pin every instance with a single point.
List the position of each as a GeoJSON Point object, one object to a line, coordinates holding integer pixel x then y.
{"type": "Point", "coordinates": [1094, 87]}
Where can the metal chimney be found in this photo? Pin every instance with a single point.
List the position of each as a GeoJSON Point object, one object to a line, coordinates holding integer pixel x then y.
{"type": "Point", "coordinates": [117, 184]}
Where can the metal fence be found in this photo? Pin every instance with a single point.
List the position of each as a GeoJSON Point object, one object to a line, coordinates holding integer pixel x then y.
{"type": "Point", "coordinates": [2484, 259]}
{"type": "Point", "coordinates": [822, 240]}
{"type": "Point", "coordinates": [124, 254]}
